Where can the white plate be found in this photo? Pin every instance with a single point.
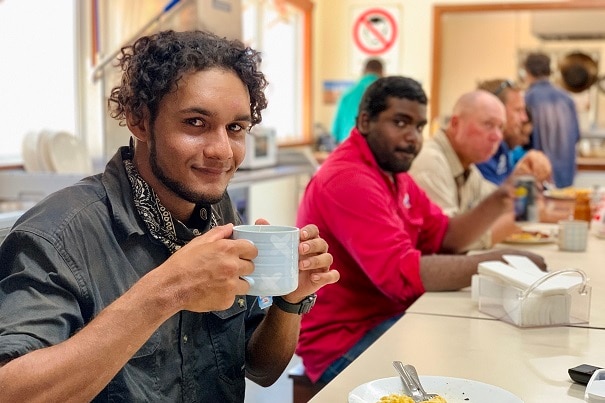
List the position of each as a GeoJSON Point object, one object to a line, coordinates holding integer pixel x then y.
{"type": "Point", "coordinates": [29, 151]}
{"type": "Point", "coordinates": [42, 150]}
{"type": "Point", "coordinates": [454, 390]}
{"type": "Point", "coordinates": [68, 154]}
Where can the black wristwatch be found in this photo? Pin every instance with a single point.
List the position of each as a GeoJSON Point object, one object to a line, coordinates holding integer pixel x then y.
{"type": "Point", "coordinates": [303, 306]}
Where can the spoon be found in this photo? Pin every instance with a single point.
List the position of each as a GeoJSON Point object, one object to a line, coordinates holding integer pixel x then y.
{"type": "Point", "coordinates": [546, 185]}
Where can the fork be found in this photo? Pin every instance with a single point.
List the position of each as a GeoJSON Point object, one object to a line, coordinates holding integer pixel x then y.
{"type": "Point", "coordinates": [409, 383]}
{"type": "Point", "coordinates": [412, 371]}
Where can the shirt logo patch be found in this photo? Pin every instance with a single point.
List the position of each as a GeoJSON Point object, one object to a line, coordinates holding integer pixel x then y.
{"type": "Point", "coordinates": [502, 167]}
{"type": "Point", "coordinates": [406, 201]}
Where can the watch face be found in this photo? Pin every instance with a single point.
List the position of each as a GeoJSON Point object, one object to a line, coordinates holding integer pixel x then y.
{"type": "Point", "coordinates": [308, 303]}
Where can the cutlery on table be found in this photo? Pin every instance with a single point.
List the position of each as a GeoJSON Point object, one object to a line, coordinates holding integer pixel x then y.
{"type": "Point", "coordinates": [410, 380]}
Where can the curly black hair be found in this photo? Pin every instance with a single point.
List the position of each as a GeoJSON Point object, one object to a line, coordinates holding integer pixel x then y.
{"type": "Point", "coordinates": [153, 66]}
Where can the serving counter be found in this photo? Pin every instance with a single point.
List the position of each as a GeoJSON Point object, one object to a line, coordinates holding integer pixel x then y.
{"type": "Point", "coordinates": [590, 163]}
{"type": "Point", "coordinates": [272, 192]}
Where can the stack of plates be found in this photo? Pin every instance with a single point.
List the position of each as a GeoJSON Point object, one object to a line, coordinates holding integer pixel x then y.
{"type": "Point", "coordinates": [60, 152]}
{"type": "Point", "coordinates": [29, 151]}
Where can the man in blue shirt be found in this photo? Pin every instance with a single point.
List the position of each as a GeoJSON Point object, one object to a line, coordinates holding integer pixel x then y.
{"type": "Point", "coordinates": [555, 120]}
{"type": "Point", "coordinates": [502, 164]}
{"type": "Point", "coordinates": [346, 112]}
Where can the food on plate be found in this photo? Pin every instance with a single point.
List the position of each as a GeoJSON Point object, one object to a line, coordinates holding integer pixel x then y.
{"type": "Point", "coordinates": [527, 236]}
{"type": "Point", "coordinates": [399, 398]}
{"type": "Point", "coordinates": [567, 193]}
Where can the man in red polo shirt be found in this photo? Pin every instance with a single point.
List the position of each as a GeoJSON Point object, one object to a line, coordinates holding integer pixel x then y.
{"type": "Point", "coordinates": [389, 242]}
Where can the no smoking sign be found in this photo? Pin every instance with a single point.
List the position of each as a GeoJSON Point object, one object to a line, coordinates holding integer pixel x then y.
{"type": "Point", "coordinates": [375, 33]}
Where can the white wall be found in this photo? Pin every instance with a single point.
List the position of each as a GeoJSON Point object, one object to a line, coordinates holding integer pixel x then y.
{"type": "Point", "coordinates": [463, 42]}
{"type": "Point", "coordinates": [332, 43]}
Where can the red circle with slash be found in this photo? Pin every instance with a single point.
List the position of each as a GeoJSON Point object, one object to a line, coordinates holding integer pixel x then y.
{"type": "Point", "coordinates": [375, 31]}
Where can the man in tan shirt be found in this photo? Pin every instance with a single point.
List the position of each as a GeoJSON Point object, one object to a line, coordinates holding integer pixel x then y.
{"type": "Point", "coordinates": [445, 168]}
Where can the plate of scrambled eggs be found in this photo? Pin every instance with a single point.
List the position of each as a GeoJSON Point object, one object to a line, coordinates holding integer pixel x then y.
{"type": "Point", "coordinates": [450, 390]}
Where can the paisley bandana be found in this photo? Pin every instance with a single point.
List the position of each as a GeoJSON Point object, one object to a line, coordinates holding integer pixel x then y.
{"type": "Point", "coordinates": [157, 218]}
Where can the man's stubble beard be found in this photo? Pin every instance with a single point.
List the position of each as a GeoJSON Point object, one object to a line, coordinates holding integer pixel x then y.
{"type": "Point", "coordinates": [178, 188]}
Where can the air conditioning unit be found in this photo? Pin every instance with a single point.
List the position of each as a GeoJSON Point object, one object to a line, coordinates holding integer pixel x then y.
{"type": "Point", "coordinates": [568, 24]}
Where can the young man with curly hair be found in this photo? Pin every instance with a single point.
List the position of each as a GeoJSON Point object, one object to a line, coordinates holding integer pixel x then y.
{"type": "Point", "coordinates": [126, 286]}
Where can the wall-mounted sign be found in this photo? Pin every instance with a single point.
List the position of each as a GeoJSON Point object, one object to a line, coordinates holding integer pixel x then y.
{"type": "Point", "coordinates": [375, 33]}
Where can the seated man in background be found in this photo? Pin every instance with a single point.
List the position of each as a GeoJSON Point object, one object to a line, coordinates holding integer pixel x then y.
{"type": "Point", "coordinates": [527, 128]}
{"type": "Point", "coordinates": [388, 240]}
{"type": "Point", "coordinates": [445, 168]}
{"type": "Point", "coordinates": [501, 165]}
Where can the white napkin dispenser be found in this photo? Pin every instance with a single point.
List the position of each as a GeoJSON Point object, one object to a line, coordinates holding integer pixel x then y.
{"type": "Point", "coordinates": [530, 299]}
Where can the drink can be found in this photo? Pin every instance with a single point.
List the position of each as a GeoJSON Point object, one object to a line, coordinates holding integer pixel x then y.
{"type": "Point", "coordinates": [525, 199]}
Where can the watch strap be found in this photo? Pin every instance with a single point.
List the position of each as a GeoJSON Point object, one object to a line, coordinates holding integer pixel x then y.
{"type": "Point", "coordinates": [299, 308]}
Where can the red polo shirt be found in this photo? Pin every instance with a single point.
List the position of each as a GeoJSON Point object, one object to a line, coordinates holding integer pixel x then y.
{"type": "Point", "coordinates": [376, 231]}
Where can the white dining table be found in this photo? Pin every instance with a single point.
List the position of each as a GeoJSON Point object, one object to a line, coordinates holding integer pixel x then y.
{"type": "Point", "coordinates": [591, 261]}
{"type": "Point", "coordinates": [445, 334]}
{"type": "Point", "coordinates": [530, 363]}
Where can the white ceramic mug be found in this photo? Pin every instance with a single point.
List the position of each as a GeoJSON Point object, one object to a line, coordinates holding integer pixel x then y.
{"type": "Point", "coordinates": [276, 266]}
{"type": "Point", "coordinates": [573, 235]}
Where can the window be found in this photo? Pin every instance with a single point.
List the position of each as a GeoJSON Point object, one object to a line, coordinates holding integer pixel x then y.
{"type": "Point", "coordinates": [280, 29]}
{"type": "Point", "coordinates": [44, 86]}
{"type": "Point", "coordinates": [37, 86]}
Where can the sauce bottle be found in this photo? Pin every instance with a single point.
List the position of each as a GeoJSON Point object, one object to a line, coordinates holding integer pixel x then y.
{"type": "Point", "coordinates": [582, 210]}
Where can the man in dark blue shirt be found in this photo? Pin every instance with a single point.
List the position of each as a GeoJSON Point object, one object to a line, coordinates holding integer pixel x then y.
{"type": "Point", "coordinates": [555, 119]}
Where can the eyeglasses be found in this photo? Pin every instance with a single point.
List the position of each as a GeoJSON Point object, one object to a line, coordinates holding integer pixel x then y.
{"type": "Point", "coordinates": [504, 85]}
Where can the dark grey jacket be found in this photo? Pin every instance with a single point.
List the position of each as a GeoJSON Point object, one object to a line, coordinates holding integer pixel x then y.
{"type": "Point", "coordinates": [81, 248]}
